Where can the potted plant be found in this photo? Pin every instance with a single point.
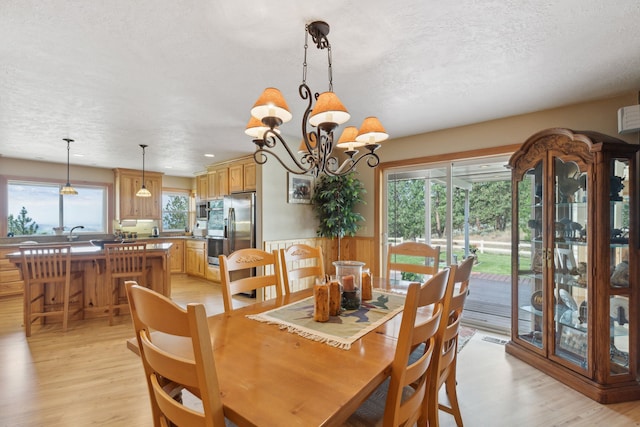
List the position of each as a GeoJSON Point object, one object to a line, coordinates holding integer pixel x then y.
{"type": "Point", "coordinates": [334, 201]}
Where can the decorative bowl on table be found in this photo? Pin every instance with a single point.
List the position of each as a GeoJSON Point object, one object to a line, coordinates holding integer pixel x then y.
{"type": "Point", "coordinates": [101, 242]}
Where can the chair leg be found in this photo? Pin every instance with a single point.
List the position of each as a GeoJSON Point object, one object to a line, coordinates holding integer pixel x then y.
{"type": "Point", "coordinates": [65, 305]}
{"type": "Point", "coordinates": [452, 394]}
{"type": "Point", "coordinates": [112, 285]}
{"type": "Point", "coordinates": [27, 309]}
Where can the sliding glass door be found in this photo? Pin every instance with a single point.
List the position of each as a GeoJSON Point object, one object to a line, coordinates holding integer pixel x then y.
{"type": "Point", "coordinates": [463, 206]}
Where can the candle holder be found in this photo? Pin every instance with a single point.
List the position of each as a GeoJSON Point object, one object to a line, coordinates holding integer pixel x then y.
{"type": "Point", "coordinates": [349, 274]}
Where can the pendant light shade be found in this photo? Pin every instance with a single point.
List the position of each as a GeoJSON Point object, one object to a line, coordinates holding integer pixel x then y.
{"type": "Point", "coordinates": [143, 192]}
{"type": "Point", "coordinates": [371, 131]}
{"type": "Point", "coordinates": [328, 109]}
{"type": "Point", "coordinates": [68, 190]}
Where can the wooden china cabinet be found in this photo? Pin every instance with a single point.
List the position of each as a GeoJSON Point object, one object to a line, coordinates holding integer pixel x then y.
{"type": "Point", "coordinates": [575, 271]}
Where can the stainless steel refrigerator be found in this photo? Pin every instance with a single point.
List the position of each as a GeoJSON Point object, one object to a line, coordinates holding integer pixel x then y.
{"type": "Point", "coordinates": [239, 229]}
{"type": "Point", "coordinates": [240, 218]}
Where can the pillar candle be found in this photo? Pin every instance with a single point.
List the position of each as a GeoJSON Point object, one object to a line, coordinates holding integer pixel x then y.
{"type": "Point", "coordinates": [347, 283]}
{"type": "Point", "coordinates": [367, 289]}
{"type": "Point", "coordinates": [321, 303]}
{"type": "Point", "coordinates": [334, 298]}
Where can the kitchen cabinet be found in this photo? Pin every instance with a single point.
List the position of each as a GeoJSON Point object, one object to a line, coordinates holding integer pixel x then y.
{"type": "Point", "coordinates": [212, 185]}
{"type": "Point", "coordinates": [213, 273]}
{"type": "Point", "coordinates": [176, 254]}
{"type": "Point", "coordinates": [217, 183]}
{"type": "Point", "coordinates": [249, 176]}
{"type": "Point", "coordinates": [236, 178]}
{"type": "Point", "coordinates": [575, 275]}
{"type": "Point", "coordinates": [128, 205]}
{"type": "Point", "coordinates": [202, 187]}
{"type": "Point", "coordinates": [11, 282]}
{"type": "Point", "coordinates": [196, 257]}
{"type": "Point", "coordinates": [222, 182]}
{"type": "Point", "coordinates": [242, 177]}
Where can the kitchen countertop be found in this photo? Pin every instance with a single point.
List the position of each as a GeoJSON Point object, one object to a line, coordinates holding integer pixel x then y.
{"type": "Point", "coordinates": [10, 242]}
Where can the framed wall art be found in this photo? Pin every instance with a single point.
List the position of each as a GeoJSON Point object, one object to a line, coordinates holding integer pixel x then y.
{"type": "Point", "coordinates": [299, 188]}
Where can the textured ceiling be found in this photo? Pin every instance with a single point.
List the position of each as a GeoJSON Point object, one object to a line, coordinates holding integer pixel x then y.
{"type": "Point", "coordinates": [181, 75]}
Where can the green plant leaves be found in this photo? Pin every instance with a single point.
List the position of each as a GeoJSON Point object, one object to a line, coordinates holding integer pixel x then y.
{"type": "Point", "coordinates": [334, 201]}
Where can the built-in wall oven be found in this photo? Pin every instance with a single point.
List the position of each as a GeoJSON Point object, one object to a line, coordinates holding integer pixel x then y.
{"type": "Point", "coordinates": [216, 246]}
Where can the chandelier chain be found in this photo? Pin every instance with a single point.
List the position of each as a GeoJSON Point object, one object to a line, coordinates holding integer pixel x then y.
{"type": "Point", "coordinates": [304, 62]}
{"type": "Point", "coordinates": [330, 66]}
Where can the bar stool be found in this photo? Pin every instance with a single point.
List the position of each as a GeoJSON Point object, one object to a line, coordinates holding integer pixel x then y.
{"type": "Point", "coordinates": [125, 261]}
{"type": "Point", "coordinates": [46, 271]}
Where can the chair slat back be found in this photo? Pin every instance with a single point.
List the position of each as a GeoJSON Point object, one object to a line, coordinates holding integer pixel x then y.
{"type": "Point", "coordinates": [300, 262]}
{"type": "Point", "coordinates": [45, 263]}
{"type": "Point", "coordinates": [429, 258]}
{"type": "Point", "coordinates": [152, 311]}
{"type": "Point", "coordinates": [417, 327]}
{"type": "Point", "coordinates": [247, 259]}
{"type": "Point", "coordinates": [126, 258]}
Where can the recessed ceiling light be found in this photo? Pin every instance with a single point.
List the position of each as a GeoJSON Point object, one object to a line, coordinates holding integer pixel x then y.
{"type": "Point", "coordinates": [78, 155]}
{"type": "Point", "coordinates": [209, 155]}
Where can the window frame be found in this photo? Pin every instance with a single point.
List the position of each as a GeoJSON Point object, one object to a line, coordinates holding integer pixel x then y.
{"type": "Point", "coordinates": [189, 212]}
{"type": "Point", "coordinates": [107, 201]}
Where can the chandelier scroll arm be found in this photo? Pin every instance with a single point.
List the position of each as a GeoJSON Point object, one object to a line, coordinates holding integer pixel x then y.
{"type": "Point", "coordinates": [269, 141]}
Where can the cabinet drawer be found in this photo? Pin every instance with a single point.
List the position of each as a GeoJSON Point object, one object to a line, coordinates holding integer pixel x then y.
{"type": "Point", "coordinates": [196, 244]}
{"type": "Point", "coordinates": [11, 288]}
{"type": "Point", "coordinates": [10, 275]}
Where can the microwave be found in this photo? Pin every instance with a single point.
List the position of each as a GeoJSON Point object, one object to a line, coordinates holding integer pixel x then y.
{"type": "Point", "coordinates": [202, 209]}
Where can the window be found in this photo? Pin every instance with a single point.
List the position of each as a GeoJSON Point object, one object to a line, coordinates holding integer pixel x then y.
{"type": "Point", "coordinates": [175, 210]}
{"type": "Point", "coordinates": [38, 208]}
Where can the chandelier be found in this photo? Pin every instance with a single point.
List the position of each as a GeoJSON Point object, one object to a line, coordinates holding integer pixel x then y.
{"type": "Point", "coordinates": [315, 155]}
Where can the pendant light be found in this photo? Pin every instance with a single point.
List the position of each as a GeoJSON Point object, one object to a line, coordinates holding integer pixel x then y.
{"type": "Point", "coordinates": [68, 190]}
{"type": "Point", "coordinates": [143, 192]}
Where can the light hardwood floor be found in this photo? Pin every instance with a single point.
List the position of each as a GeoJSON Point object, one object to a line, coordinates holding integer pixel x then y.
{"type": "Point", "coordinates": [86, 376]}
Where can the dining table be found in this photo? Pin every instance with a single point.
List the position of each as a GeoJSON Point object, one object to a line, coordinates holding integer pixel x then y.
{"type": "Point", "coordinates": [270, 376]}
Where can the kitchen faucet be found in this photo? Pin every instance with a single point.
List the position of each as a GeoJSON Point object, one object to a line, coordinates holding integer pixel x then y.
{"type": "Point", "coordinates": [71, 236]}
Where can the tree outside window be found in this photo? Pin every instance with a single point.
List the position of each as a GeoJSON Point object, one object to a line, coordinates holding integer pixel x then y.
{"type": "Point", "coordinates": [175, 211]}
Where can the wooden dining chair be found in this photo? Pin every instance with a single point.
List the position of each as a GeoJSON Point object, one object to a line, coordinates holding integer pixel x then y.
{"type": "Point", "coordinates": [125, 261]}
{"type": "Point", "coordinates": [243, 263]}
{"type": "Point", "coordinates": [46, 271]}
{"type": "Point", "coordinates": [412, 364]}
{"type": "Point", "coordinates": [300, 264]}
{"type": "Point", "coordinates": [399, 259]}
{"type": "Point", "coordinates": [192, 367]}
{"type": "Point", "coordinates": [447, 359]}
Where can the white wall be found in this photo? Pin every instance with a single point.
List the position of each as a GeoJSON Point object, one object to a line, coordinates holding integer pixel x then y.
{"type": "Point", "coordinates": [283, 220]}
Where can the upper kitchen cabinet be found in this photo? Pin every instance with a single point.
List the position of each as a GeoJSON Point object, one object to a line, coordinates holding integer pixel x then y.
{"type": "Point", "coordinates": [249, 176]}
{"type": "Point", "coordinates": [575, 278]}
{"type": "Point", "coordinates": [128, 205]}
{"type": "Point", "coordinates": [202, 186]}
{"type": "Point", "coordinates": [242, 177]}
{"type": "Point", "coordinates": [217, 183]}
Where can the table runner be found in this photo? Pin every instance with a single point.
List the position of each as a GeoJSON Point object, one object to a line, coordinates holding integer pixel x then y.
{"type": "Point", "coordinates": [340, 331]}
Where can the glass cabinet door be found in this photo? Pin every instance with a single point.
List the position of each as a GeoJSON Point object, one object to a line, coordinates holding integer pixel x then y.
{"type": "Point", "coordinates": [569, 279]}
{"type": "Point", "coordinates": [531, 257]}
{"type": "Point", "coordinates": [619, 210]}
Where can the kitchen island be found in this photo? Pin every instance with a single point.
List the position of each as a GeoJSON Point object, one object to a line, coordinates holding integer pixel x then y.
{"type": "Point", "coordinates": [91, 262]}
